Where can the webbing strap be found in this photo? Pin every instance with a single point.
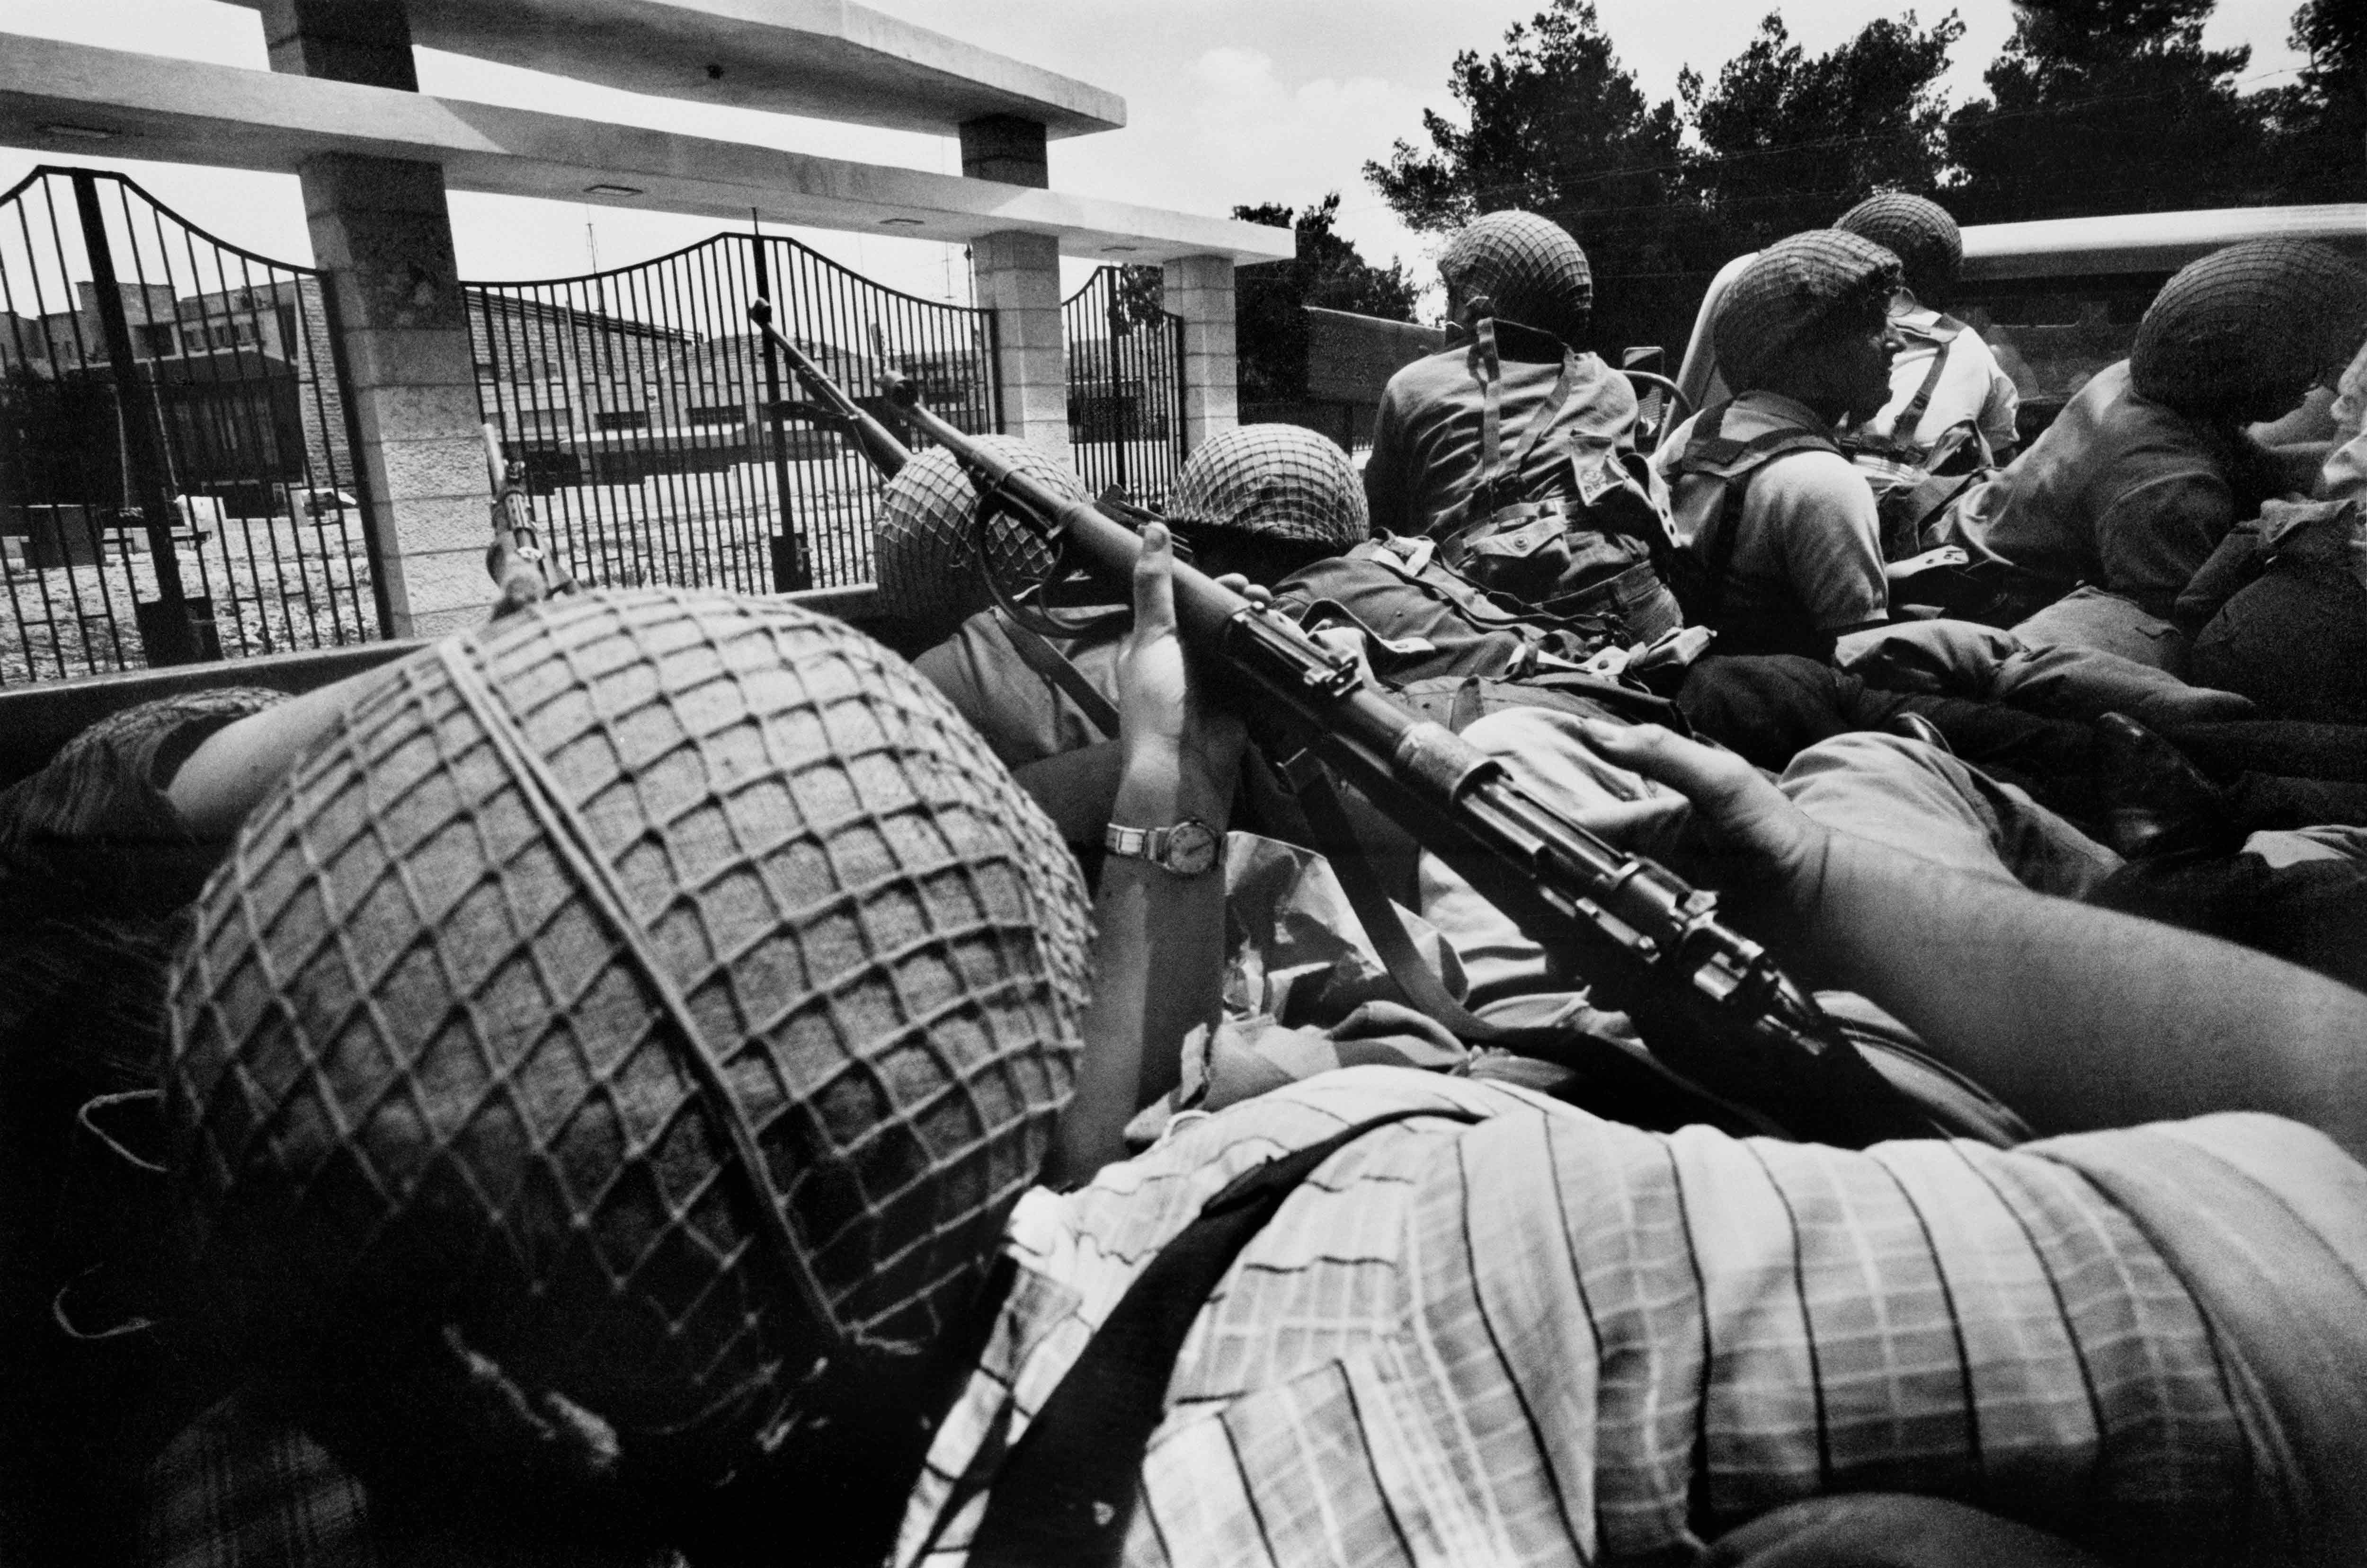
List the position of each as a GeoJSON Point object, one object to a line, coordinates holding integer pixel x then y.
{"type": "Point", "coordinates": [1731, 463]}
{"type": "Point", "coordinates": [1901, 444]}
{"type": "Point", "coordinates": [1497, 470]}
{"type": "Point", "coordinates": [1903, 428]}
{"type": "Point", "coordinates": [1066, 1496]}
{"type": "Point", "coordinates": [1053, 665]}
{"type": "Point", "coordinates": [1488, 369]}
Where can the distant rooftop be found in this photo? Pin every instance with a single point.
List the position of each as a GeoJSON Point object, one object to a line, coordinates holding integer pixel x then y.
{"type": "Point", "coordinates": [825, 59]}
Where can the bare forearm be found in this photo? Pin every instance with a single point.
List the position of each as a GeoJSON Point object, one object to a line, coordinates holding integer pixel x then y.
{"type": "Point", "coordinates": [232, 771]}
{"type": "Point", "coordinates": [2083, 1018]}
{"type": "Point", "coordinates": [1157, 972]}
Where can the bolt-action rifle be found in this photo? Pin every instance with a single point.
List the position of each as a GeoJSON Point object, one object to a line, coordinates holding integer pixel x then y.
{"type": "Point", "coordinates": [515, 560]}
{"type": "Point", "coordinates": [829, 403]}
{"type": "Point", "coordinates": [1719, 1012]}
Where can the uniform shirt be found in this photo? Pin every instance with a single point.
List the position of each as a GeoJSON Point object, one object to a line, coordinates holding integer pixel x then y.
{"type": "Point", "coordinates": [1972, 390]}
{"type": "Point", "coordinates": [2121, 491]}
{"type": "Point", "coordinates": [1550, 1338]}
{"type": "Point", "coordinates": [1807, 543]}
{"type": "Point", "coordinates": [1023, 716]}
{"type": "Point", "coordinates": [1425, 457]}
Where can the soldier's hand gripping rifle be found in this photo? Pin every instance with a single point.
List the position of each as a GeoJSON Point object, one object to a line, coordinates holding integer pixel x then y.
{"type": "Point", "coordinates": [830, 404]}
{"type": "Point", "coordinates": [514, 560]}
{"type": "Point", "coordinates": [1715, 1005]}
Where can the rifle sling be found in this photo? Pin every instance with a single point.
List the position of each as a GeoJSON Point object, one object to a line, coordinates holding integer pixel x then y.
{"type": "Point", "coordinates": [1605, 1065]}
{"type": "Point", "coordinates": [1422, 989]}
{"type": "Point", "coordinates": [1054, 666]}
{"type": "Point", "coordinates": [1065, 1497]}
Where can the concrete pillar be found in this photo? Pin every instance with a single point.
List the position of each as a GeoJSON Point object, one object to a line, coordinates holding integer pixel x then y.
{"type": "Point", "coordinates": [1017, 276]}
{"type": "Point", "coordinates": [383, 236]}
{"type": "Point", "coordinates": [1200, 290]}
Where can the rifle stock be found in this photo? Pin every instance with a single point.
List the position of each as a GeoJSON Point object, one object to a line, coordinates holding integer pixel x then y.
{"type": "Point", "coordinates": [831, 401]}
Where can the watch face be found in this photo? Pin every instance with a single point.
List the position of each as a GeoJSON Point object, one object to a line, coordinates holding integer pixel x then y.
{"type": "Point", "coordinates": [1192, 847]}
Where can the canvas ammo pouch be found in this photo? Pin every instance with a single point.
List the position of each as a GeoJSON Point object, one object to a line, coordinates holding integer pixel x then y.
{"type": "Point", "coordinates": [1588, 546]}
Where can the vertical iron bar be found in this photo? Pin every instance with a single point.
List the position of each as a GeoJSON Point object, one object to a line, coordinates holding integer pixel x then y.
{"type": "Point", "coordinates": [170, 640]}
{"type": "Point", "coordinates": [790, 569]}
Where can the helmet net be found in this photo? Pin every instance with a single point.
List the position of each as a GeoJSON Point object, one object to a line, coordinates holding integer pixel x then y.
{"type": "Point", "coordinates": [1279, 481]}
{"type": "Point", "coordinates": [1791, 289]}
{"type": "Point", "coordinates": [1527, 265]}
{"type": "Point", "coordinates": [423, 1066]}
{"type": "Point", "coordinates": [922, 550]}
{"type": "Point", "coordinates": [2253, 319]}
{"type": "Point", "coordinates": [1916, 229]}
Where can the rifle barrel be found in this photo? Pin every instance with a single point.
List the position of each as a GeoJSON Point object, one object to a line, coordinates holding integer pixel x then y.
{"type": "Point", "coordinates": [877, 442]}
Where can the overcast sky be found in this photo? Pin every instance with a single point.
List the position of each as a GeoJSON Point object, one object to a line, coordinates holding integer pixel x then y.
{"type": "Point", "coordinates": [1228, 101]}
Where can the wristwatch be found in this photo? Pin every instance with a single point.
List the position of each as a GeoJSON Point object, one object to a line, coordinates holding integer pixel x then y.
{"type": "Point", "coordinates": [1187, 849]}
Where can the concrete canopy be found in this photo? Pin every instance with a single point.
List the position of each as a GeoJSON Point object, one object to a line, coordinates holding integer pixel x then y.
{"type": "Point", "coordinates": [73, 98]}
{"type": "Point", "coordinates": [827, 59]}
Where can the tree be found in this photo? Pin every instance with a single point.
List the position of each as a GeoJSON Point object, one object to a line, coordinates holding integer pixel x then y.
{"type": "Point", "coordinates": [2318, 129]}
{"type": "Point", "coordinates": [1270, 321]}
{"type": "Point", "coordinates": [2109, 105]}
{"type": "Point", "coordinates": [1788, 143]}
{"type": "Point", "coordinates": [1554, 124]}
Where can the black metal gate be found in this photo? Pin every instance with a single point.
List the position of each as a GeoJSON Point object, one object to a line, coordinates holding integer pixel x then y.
{"type": "Point", "coordinates": [176, 476]}
{"type": "Point", "coordinates": [1126, 383]}
{"type": "Point", "coordinates": [660, 432]}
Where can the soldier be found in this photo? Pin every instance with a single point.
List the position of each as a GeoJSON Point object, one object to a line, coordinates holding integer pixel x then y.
{"type": "Point", "coordinates": [1426, 1321]}
{"type": "Point", "coordinates": [1781, 531]}
{"type": "Point", "coordinates": [1516, 450]}
{"type": "Point", "coordinates": [2147, 467]}
{"type": "Point", "coordinates": [1952, 407]}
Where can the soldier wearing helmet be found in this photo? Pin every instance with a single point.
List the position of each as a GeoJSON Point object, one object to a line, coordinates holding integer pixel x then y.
{"type": "Point", "coordinates": [1952, 406]}
{"type": "Point", "coordinates": [2148, 465]}
{"type": "Point", "coordinates": [1519, 1320]}
{"type": "Point", "coordinates": [1513, 448]}
{"type": "Point", "coordinates": [924, 552]}
{"type": "Point", "coordinates": [1783, 541]}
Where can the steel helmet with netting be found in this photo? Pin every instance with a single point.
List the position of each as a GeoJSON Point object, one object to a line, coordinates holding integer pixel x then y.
{"type": "Point", "coordinates": [1916, 229]}
{"type": "Point", "coordinates": [1281, 482]}
{"type": "Point", "coordinates": [2248, 327]}
{"type": "Point", "coordinates": [632, 1010]}
{"type": "Point", "coordinates": [1792, 289]}
{"type": "Point", "coordinates": [1528, 266]}
{"type": "Point", "coordinates": [921, 551]}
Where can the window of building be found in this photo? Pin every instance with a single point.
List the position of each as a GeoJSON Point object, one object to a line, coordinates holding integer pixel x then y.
{"type": "Point", "coordinates": [156, 339]}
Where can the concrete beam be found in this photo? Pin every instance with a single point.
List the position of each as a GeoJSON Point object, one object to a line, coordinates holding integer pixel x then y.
{"type": "Point", "coordinates": [182, 111]}
{"type": "Point", "coordinates": [827, 59]}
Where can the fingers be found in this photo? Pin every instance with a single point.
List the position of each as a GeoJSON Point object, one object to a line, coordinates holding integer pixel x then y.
{"type": "Point", "coordinates": [1257, 594]}
{"type": "Point", "coordinates": [1661, 754]}
{"type": "Point", "coordinates": [1154, 582]}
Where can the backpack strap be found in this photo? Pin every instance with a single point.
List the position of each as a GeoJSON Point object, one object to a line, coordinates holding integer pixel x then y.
{"type": "Point", "coordinates": [1713, 453]}
{"type": "Point", "coordinates": [1498, 469]}
{"type": "Point", "coordinates": [1901, 444]}
{"type": "Point", "coordinates": [1066, 1496]}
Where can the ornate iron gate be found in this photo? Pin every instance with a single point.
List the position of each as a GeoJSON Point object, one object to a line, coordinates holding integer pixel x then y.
{"type": "Point", "coordinates": [1126, 383]}
{"type": "Point", "coordinates": [176, 476]}
{"type": "Point", "coordinates": [660, 434]}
